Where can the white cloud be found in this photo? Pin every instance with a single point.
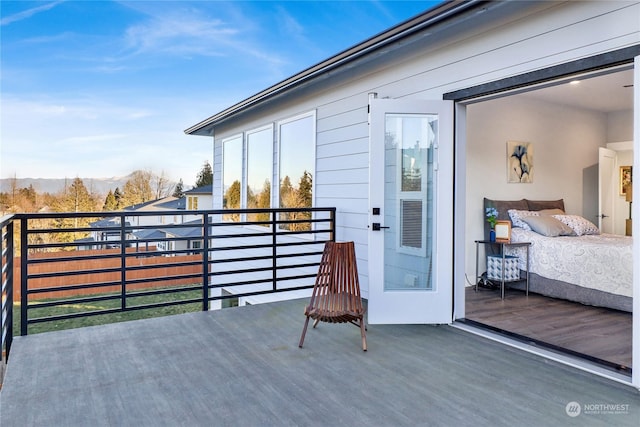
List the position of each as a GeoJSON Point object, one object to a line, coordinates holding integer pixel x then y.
{"type": "Point", "coordinates": [25, 14]}
{"type": "Point", "coordinates": [202, 31]}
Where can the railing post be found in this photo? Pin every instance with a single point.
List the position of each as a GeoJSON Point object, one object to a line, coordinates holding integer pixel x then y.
{"type": "Point", "coordinates": [205, 262]}
{"type": "Point", "coordinates": [8, 323]}
{"type": "Point", "coordinates": [274, 252]}
{"type": "Point", "coordinates": [24, 298]}
{"type": "Point", "coordinates": [123, 263]}
{"type": "Point", "coordinates": [10, 282]}
{"type": "Point", "coordinates": [332, 215]}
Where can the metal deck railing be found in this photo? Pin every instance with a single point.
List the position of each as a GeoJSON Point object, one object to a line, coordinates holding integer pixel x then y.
{"type": "Point", "coordinates": [78, 265]}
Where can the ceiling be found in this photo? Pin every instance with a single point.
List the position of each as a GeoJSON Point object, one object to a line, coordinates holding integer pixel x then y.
{"type": "Point", "coordinates": [604, 93]}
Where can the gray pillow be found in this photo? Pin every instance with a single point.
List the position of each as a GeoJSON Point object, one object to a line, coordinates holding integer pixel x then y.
{"type": "Point", "coordinates": [548, 226]}
{"type": "Point", "coordinates": [551, 212]}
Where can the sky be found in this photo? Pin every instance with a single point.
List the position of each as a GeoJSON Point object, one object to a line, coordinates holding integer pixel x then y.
{"type": "Point", "coordinates": [99, 89]}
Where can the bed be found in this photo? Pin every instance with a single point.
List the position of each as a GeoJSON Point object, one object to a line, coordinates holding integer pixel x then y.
{"type": "Point", "coordinates": [569, 258]}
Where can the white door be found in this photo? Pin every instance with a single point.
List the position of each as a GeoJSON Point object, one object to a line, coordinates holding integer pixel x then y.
{"type": "Point", "coordinates": [606, 189]}
{"type": "Point", "coordinates": [411, 211]}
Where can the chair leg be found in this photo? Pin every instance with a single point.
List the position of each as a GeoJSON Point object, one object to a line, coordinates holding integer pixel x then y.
{"type": "Point", "coordinates": [304, 331]}
{"type": "Point", "coordinates": [315, 322]}
{"type": "Point", "coordinates": [363, 327]}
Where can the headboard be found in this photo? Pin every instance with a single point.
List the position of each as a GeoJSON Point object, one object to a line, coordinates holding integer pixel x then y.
{"type": "Point", "coordinates": [503, 206]}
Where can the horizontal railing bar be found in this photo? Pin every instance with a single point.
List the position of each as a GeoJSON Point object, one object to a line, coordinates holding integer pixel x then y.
{"type": "Point", "coordinates": [121, 214]}
{"type": "Point", "coordinates": [110, 311]}
{"type": "Point", "coordinates": [264, 257]}
{"type": "Point", "coordinates": [175, 290]}
{"type": "Point", "coordinates": [72, 287]}
{"type": "Point", "coordinates": [261, 269]}
{"type": "Point", "coordinates": [299, 254]}
{"type": "Point", "coordinates": [168, 265]}
{"type": "Point", "coordinates": [266, 245]}
{"type": "Point", "coordinates": [259, 281]}
{"type": "Point", "coordinates": [156, 253]}
{"type": "Point", "coordinates": [73, 301]}
{"type": "Point", "coordinates": [71, 258]}
{"type": "Point", "coordinates": [72, 273]}
{"type": "Point", "coordinates": [255, 293]}
{"type": "Point", "coordinates": [163, 278]}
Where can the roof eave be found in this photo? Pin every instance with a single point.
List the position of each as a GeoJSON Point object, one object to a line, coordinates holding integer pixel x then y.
{"type": "Point", "coordinates": [406, 28]}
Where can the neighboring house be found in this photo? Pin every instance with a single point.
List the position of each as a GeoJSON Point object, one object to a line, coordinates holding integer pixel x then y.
{"type": "Point", "coordinates": [107, 235]}
{"type": "Point", "coordinates": [198, 198]}
{"type": "Point", "coordinates": [160, 238]}
{"type": "Point", "coordinates": [161, 206]}
{"type": "Point", "coordinates": [165, 204]}
{"type": "Point", "coordinates": [406, 132]}
{"type": "Point", "coordinates": [104, 231]}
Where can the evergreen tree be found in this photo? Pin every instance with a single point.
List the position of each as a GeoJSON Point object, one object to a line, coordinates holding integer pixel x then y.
{"type": "Point", "coordinates": [137, 189]}
{"type": "Point", "coordinates": [29, 194]}
{"type": "Point", "coordinates": [205, 176]}
{"type": "Point", "coordinates": [232, 201]}
{"type": "Point", "coordinates": [178, 191]}
{"type": "Point", "coordinates": [264, 198]}
{"type": "Point", "coordinates": [117, 194]}
{"type": "Point", "coordinates": [305, 188]}
{"type": "Point", "coordinates": [232, 196]}
{"type": "Point", "coordinates": [285, 190]}
{"type": "Point", "coordinates": [75, 198]}
{"type": "Point", "coordinates": [261, 200]}
{"type": "Point", "coordinates": [110, 202]}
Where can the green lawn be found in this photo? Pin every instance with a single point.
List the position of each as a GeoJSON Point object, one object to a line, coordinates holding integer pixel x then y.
{"type": "Point", "coordinates": [101, 319]}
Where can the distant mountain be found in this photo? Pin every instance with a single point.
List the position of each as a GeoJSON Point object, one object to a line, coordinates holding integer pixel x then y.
{"type": "Point", "coordinates": [55, 185]}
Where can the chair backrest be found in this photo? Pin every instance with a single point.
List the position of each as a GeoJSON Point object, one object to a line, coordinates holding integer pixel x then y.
{"type": "Point", "coordinates": [337, 287]}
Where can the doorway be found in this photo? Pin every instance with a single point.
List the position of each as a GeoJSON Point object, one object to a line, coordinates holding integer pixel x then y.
{"type": "Point", "coordinates": [565, 122]}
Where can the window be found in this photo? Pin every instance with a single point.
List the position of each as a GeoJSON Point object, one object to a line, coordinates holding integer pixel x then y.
{"type": "Point", "coordinates": [232, 175]}
{"type": "Point", "coordinates": [259, 171]}
{"type": "Point", "coordinates": [412, 138]}
{"type": "Point", "coordinates": [296, 167]}
{"type": "Point", "coordinates": [192, 203]}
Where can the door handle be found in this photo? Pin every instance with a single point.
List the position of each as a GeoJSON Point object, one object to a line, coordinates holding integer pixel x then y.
{"type": "Point", "coordinates": [603, 216]}
{"type": "Point", "coordinates": [377, 227]}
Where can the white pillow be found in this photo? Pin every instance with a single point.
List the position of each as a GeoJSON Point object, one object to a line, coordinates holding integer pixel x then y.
{"type": "Point", "coordinates": [578, 224]}
{"type": "Point", "coordinates": [517, 216]}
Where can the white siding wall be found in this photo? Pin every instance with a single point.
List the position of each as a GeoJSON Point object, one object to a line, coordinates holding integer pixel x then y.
{"type": "Point", "coordinates": [549, 34]}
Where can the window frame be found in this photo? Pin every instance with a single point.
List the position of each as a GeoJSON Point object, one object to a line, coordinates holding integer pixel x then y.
{"type": "Point", "coordinates": [242, 156]}
{"type": "Point", "coordinates": [247, 134]}
{"type": "Point", "coordinates": [276, 194]}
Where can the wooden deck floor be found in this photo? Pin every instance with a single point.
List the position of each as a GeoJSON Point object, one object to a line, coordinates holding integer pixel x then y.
{"type": "Point", "coordinates": [596, 332]}
{"type": "Point", "coordinates": [242, 367]}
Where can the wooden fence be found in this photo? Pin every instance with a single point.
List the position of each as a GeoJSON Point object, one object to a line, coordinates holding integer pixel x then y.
{"type": "Point", "coordinates": [80, 264]}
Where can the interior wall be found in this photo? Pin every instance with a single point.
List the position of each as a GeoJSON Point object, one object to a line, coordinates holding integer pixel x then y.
{"type": "Point", "coordinates": [565, 143]}
{"type": "Point", "coordinates": [620, 126]}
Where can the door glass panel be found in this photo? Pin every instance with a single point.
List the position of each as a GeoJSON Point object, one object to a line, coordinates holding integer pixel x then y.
{"type": "Point", "coordinates": [410, 140]}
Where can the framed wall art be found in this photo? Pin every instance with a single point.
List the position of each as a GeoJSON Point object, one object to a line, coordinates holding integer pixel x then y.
{"type": "Point", "coordinates": [625, 179]}
{"type": "Point", "coordinates": [519, 162]}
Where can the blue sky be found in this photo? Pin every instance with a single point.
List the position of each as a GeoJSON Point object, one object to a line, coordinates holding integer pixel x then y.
{"type": "Point", "coordinates": [102, 88]}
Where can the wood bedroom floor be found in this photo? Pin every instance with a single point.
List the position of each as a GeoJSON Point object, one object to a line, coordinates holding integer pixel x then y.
{"type": "Point", "coordinates": [595, 332]}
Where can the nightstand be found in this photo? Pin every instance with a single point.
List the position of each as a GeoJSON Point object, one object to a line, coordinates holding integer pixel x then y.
{"type": "Point", "coordinates": [503, 246]}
